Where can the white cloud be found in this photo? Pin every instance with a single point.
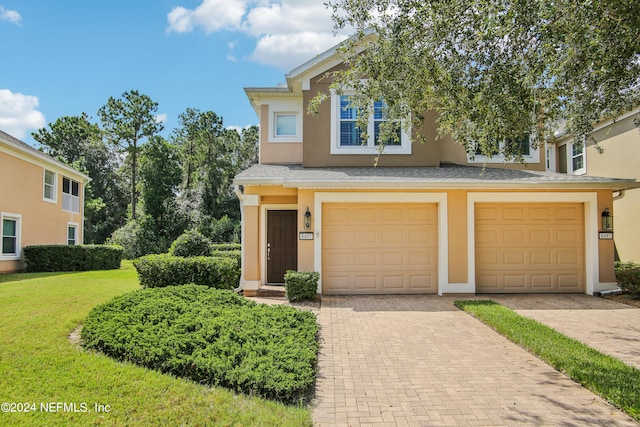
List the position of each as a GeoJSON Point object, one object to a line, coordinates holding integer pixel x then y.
{"type": "Point", "coordinates": [10, 15]}
{"type": "Point", "coordinates": [287, 32]}
{"type": "Point", "coordinates": [211, 15]}
{"type": "Point", "coordinates": [290, 50]}
{"type": "Point", "coordinates": [18, 113]}
{"type": "Point", "coordinates": [161, 118]}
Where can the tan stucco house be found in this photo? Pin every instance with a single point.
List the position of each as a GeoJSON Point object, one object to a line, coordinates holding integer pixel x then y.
{"type": "Point", "coordinates": [427, 219]}
{"type": "Point", "coordinates": [613, 149]}
{"type": "Point", "coordinates": [41, 201]}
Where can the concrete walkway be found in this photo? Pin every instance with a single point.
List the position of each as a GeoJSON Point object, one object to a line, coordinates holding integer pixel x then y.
{"type": "Point", "coordinates": [418, 360]}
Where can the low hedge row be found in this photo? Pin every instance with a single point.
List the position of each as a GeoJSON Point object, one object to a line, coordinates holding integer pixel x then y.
{"type": "Point", "coordinates": [46, 258]}
{"type": "Point", "coordinates": [212, 337]}
{"type": "Point", "coordinates": [157, 271]}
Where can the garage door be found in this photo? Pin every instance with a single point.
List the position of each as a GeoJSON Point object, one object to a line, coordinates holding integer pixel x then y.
{"type": "Point", "coordinates": [379, 248]}
{"type": "Point", "coordinates": [530, 247]}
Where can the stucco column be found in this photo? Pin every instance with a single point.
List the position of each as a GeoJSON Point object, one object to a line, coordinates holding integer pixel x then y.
{"type": "Point", "coordinates": [458, 241]}
{"type": "Point", "coordinates": [250, 242]}
{"type": "Point", "coordinates": [606, 250]}
{"type": "Point", "coordinates": [305, 247]}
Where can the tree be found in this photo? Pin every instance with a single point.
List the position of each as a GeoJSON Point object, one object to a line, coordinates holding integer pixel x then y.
{"type": "Point", "coordinates": [160, 174]}
{"type": "Point", "coordinates": [126, 121]}
{"type": "Point", "coordinates": [493, 69]}
{"type": "Point", "coordinates": [76, 141]}
{"type": "Point", "coordinates": [211, 157]}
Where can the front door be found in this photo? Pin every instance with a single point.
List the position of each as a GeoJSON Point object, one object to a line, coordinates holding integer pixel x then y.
{"type": "Point", "coordinates": [282, 244]}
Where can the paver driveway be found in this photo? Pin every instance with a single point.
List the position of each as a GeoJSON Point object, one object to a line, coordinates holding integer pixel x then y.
{"type": "Point", "coordinates": [418, 360]}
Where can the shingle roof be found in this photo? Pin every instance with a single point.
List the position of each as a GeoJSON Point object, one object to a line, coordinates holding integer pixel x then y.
{"type": "Point", "coordinates": [445, 176]}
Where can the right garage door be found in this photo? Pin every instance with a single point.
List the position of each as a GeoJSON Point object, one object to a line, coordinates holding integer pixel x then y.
{"type": "Point", "coordinates": [529, 247]}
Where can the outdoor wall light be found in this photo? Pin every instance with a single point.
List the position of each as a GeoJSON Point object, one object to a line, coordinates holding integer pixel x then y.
{"type": "Point", "coordinates": [607, 220]}
{"type": "Point", "coordinates": [307, 219]}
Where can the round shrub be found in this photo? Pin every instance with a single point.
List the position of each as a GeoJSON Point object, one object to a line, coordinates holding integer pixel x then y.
{"type": "Point", "coordinates": [212, 337]}
{"type": "Point", "coordinates": [191, 243]}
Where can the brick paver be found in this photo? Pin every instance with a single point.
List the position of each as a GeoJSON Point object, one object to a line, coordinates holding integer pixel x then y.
{"type": "Point", "coordinates": [610, 327]}
{"type": "Point", "coordinates": [419, 361]}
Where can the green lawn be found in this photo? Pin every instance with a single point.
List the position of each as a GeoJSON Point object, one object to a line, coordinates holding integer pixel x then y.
{"type": "Point", "coordinates": [604, 375]}
{"type": "Point", "coordinates": [39, 365]}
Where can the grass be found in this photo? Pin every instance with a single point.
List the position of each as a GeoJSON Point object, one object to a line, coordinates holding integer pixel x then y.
{"type": "Point", "coordinates": [38, 364]}
{"type": "Point", "coordinates": [604, 375]}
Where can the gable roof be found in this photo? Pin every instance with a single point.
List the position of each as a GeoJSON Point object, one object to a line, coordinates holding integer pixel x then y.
{"type": "Point", "coordinates": [446, 176]}
{"type": "Point", "coordinates": [22, 147]}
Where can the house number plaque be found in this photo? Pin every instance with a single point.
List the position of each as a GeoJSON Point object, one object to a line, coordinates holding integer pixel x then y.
{"type": "Point", "coordinates": [306, 235]}
{"type": "Point", "coordinates": [605, 235]}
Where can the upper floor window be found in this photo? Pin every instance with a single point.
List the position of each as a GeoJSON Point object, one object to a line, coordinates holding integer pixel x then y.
{"type": "Point", "coordinates": [49, 192]}
{"type": "Point", "coordinates": [286, 124]}
{"type": "Point", "coordinates": [10, 236]}
{"type": "Point", "coordinates": [346, 136]}
{"type": "Point", "coordinates": [571, 158]}
{"type": "Point", "coordinates": [70, 195]}
{"type": "Point", "coordinates": [520, 146]}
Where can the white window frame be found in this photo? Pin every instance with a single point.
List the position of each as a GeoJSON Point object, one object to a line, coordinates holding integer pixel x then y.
{"type": "Point", "coordinates": [75, 227]}
{"type": "Point", "coordinates": [71, 202]}
{"type": "Point", "coordinates": [54, 186]}
{"type": "Point", "coordinates": [370, 147]}
{"type": "Point", "coordinates": [276, 116]}
{"type": "Point", "coordinates": [284, 107]}
{"type": "Point", "coordinates": [570, 170]}
{"type": "Point", "coordinates": [18, 219]}
{"type": "Point", "coordinates": [532, 157]}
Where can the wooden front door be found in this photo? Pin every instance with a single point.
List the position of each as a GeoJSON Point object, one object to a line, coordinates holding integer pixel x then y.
{"type": "Point", "coordinates": [282, 244]}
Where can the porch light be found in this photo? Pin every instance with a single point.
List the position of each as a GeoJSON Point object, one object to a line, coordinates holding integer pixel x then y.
{"type": "Point", "coordinates": [307, 219]}
{"type": "Point", "coordinates": [607, 220]}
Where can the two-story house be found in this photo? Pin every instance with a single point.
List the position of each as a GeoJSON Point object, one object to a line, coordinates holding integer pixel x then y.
{"type": "Point", "coordinates": [613, 149]}
{"type": "Point", "coordinates": [41, 201]}
{"type": "Point", "coordinates": [427, 219]}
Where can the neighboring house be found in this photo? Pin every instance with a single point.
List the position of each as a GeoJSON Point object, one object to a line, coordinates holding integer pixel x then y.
{"type": "Point", "coordinates": [41, 201]}
{"type": "Point", "coordinates": [613, 149]}
{"type": "Point", "coordinates": [428, 219]}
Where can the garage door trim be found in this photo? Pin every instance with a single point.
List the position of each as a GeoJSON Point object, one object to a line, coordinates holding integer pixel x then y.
{"type": "Point", "coordinates": [440, 199]}
{"type": "Point", "coordinates": [590, 201]}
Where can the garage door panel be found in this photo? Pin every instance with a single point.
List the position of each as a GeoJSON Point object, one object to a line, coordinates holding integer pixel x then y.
{"type": "Point", "coordinates": [530, 247]}
{"type": "Point", "coordinates": [379, 248]}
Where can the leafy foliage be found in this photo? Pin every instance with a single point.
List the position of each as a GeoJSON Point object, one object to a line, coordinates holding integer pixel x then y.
{"type": "Point", "coordinates": [157, 271]}
{"type": "Point", "coordinates": [40, 258]}
{"type": "Point", "coordinates": [301, 285]}
{"type": "Point", "coordinates": [492, 69]}
{"type": "Point", "coordinates": [212, 337]}
{"type": "Point", "coordinates": [191, 243]}
{"type": "Point", "coordinates": [159, 179]}
{"type": "Point", "coordinates": [138, 239]}
{"type": "Point", "coordinates": [628, 275]}
{"type": "Point", "coordinates": [126, 121]}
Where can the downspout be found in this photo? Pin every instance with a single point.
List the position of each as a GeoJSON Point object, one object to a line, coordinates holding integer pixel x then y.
{"type": "Point", "coordinates": [236, 189]}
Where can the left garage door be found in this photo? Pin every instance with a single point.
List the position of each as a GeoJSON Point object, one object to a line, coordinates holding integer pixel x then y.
{"type": "Point", "coordinates": [379, 248]}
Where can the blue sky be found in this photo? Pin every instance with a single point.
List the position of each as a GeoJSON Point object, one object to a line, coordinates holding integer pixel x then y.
{"type": "Point", "coordinates": [65, 57]}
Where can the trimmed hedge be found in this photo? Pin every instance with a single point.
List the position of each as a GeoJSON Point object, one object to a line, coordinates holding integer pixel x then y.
{"type": "Point", "coordinates": [212, 337]}
{"type": "Point", "coordinates": [158, 271]}
{"type": "Point", "coordinates": [226, 247]}
{"type": "Point", "coordinates": [300, 285]}
{"type": "Point", "coordinates": [191, 243]}
{"type": "Point", "coordinates": [47, 258]}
